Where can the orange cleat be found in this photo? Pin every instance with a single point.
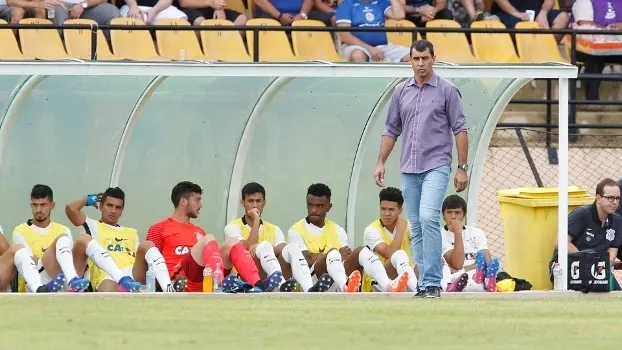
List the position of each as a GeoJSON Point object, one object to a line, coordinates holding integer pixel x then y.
{"type": "Point", "coordinates": [399, 284]}
{"type": "Point", "coordinates": [354, 281]}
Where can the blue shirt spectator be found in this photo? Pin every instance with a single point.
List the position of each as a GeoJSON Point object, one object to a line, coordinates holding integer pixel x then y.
{"type": "Point", "coordinates": [365, 14]}
{"type": "Point", "coordinates": [362, 46]}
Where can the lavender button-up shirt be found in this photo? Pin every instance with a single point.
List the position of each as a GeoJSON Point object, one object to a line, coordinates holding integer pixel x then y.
{"type": "Point", "coordinates": [427, 116]}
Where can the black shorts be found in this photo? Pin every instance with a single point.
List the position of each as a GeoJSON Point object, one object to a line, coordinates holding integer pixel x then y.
{"type": "Point", "coordinates": [208, 13]}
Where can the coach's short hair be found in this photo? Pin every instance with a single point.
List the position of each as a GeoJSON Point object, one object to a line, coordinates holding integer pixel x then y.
{"type": "Point", "coordinates": [422, 45]}
{"type": "Point", "coordinates": [319, 190]}
{"type": "Point", "coordinates": [184, 189]}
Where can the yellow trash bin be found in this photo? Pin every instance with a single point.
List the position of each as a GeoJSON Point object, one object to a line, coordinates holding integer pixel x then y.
{"type": "Point", "coordinates": [529, 218]}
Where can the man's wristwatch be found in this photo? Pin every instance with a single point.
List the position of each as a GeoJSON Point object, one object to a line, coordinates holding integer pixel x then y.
{"type": "Point", "coordinates": [464, 167]}
{"type": "Point", "coordinates": [84, 5]}
{"type": "Point", "coordinates": [304, 15]}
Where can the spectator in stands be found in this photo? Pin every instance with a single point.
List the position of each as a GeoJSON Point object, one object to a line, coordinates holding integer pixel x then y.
{"type": "Point", "coordinates": [14, 11]}
{"type": "Point", "coordinates": [99, 11]}
{"type": "Point", "coordinates": [511, 12]}
{"type": "Point", "coordinates": [365, 46]}
{"type": "Point", "coordinates": [288, 11]}
{"type": "Point", "coordinates": [200, 10]}
{"type": "Point", "coordinates": [150, 11]}
{"type": "Point", "coordinates": [590, 14]}
{"type": "Point", "coordinates": [596, 226]}
{"type": "Point", "coordinates": [468, 265]}
{"type": "Point", "coordinates": [326, 6]}
{"type": "Point", "coordinates": [466, 12]}
{"type": "Point", "coordinates": [421, 11]}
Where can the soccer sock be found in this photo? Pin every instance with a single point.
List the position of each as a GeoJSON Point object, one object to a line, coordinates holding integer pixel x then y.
{"type": "Point", "coordinates": [244, 264]}
{"type": "Point", "coordinates": [399, 260]}
{"type": "Point", "coordinates": [374, 268]}
{"type": "Point", "coordinates": [64, 257]}
{"type": "Point", "coordinates": [154, 258]}
{"type": "Point", "coordinates": [212, 257]}
{"type": "Point", "coordinates": [27, 268]}
{"type": "Point", "coordinates": [102, 259]}
{"type": "Point", "coordinates": [300, 269]}
{"type": "Point", "coordinates": [335, 269]}
{"type": "Point", "coordinates": [269, 262]}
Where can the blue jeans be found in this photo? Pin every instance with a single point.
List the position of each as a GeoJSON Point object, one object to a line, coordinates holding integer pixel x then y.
{"type": "Point", "coordinates": [423, 195]}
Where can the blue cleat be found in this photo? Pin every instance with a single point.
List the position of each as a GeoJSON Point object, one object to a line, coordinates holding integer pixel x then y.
{"type": "Point", "coordinates": [480, 268]}
{"type": "Point", "coordinates": [78, 284]}
{"type": "Point", "coordinates": [491, 275]}
{"type": "Point", "coordinates": [127, 284]}
{"type": "Point", "coordinates": [54, 286]}
{"type": "Point", "coordinates": [271, 283]}
{"type": "Point", "coordinates": [233, 284]}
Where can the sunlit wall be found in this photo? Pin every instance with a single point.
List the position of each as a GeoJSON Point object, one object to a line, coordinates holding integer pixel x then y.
{"type": "Point", "coordinates": [81, 134]}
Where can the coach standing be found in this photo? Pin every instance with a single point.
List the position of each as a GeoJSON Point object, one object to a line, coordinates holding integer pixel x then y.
{"type": "Point", "coordinates": [426, 109]}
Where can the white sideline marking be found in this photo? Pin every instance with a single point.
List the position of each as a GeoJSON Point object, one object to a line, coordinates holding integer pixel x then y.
{"type": "Point", "coordinates": [278, 295]}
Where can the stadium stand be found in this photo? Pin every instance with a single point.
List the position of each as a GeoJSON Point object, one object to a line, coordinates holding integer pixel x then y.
{"type": "Point", "coordinates": [42, 44]}
{"type": "Point", "coordinates": [78, 42]}
{"type": "Point", "coordinates": [450, 47]}
{"type": "Point", "coordinates": [537, 48]}
{"type": "Point", "coordinates": [493, 47]}
{"type": "Point", "coordinates": [131, 44]}
{"type": "Point", "coordinates": [9, 50]}
{"type": "Point", "coordinates": [178, 45]}
{"type": "Point", "coordinates": [401, 38]}
{"type": "Point", "coordinates": [273, 46]}
{"type": "Point", "coordinates": [310, 46]}
{"type": "Point", "coordinates": [226, 45]}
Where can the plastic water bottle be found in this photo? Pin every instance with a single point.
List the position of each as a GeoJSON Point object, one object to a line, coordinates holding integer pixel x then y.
{"type": "Point", "coordinates": [208, 280]}
{"type": "Point", "coordinates": [51, 13]}
{"type": "Point", "coordinates": [150, 279]}
{"type": "Point", "coordinates": [218, 278]}
{"type": "Point", "coordinates": [557, 277]}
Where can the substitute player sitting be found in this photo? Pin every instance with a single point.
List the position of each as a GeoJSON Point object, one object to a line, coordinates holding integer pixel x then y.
{"type": "Point", "coordinates": [187, 249]}
{"type": "Point", "coordinates": [389, 237]}
{"type": "Point", "coordinates": [114, 254]}
{"type": "Point", "coordinates": [324, 245]}
{"type": "Point", "coordinates": [48, 242]}
{"type": "Point", "coordinates": [17, 258]}
{"type": "Point", "coordinates": [469, 266]}
{"type": "Point", "coordinates": [266, 243]}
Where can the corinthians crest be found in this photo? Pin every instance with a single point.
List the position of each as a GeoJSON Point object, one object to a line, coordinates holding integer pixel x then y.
{"type": "Point", "coordinates": [611, 234]}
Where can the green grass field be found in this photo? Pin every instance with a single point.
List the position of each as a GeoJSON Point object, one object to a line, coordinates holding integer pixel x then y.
{"type": "Point", "coordinates": [242, 322]}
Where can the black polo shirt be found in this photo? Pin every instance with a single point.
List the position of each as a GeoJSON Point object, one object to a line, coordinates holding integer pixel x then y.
{"type": "Point", "coordinates": [588, 232]}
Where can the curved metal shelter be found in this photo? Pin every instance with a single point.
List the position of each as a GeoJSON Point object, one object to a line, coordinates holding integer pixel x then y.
{"type": "Point", "coordinates": [80, 127]}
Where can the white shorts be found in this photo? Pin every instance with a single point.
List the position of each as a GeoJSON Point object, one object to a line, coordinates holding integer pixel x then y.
{"type": "Point", "coordinates": [392, 53]}
{"type": "Point", "coordinates": [471, 286]}
{"type": "Point", "coordinates": [170, 12]}
{"type": "Point", "coordinates": [126, 272]}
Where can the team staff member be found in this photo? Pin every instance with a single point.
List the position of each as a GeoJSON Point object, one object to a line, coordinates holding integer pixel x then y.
{"type": "Point", "coordinates": [596, 226]}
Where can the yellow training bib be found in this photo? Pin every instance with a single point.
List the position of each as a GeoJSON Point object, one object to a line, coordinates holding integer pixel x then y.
{"type": "Point", "coordinates": [266, 234]}
{"type": "Point", "coordinates": [329, 239]}
{"type": "Point", "coordinates": [377, 225]}
{"type": "Point", "coordinates": [39, 243]}
{"type": "Point", "coordinates": [120, 243]}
